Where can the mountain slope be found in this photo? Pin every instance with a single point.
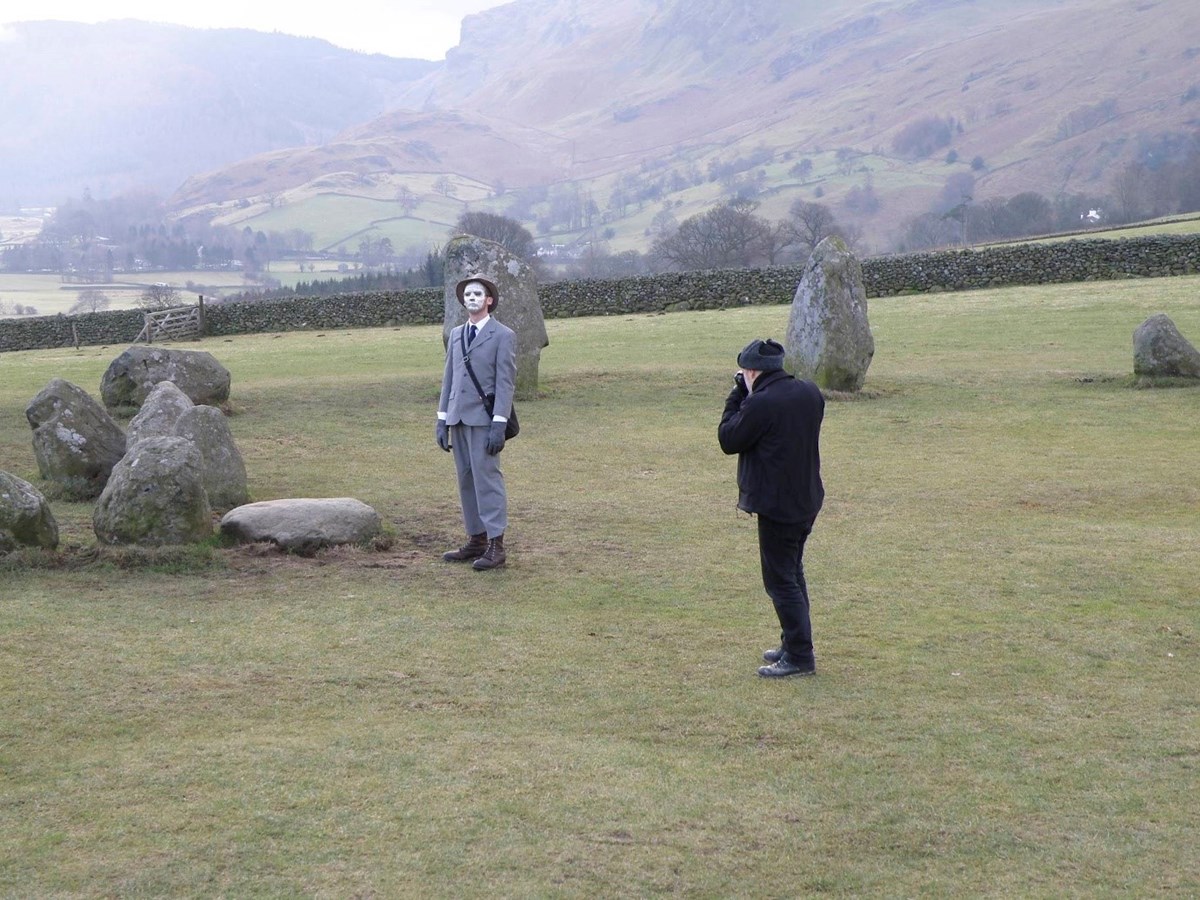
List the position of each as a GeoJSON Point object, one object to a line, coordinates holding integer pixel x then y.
{"type": "Point", "coordinates": [585, 115]}
{"type": "Point", "coordinates": [1044, 95]}
{"type": "Point", "coordinates": [630, 76]}
{"type": "Point", "coordinates": [119, 104]}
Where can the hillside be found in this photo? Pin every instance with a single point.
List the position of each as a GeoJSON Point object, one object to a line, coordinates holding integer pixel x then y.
{"type": "Point", "coordinates": [120, 104]}
{"type": "Point", "coordinates": [601, 95]}
{"type": "Point", "coordinates": [600, 119]}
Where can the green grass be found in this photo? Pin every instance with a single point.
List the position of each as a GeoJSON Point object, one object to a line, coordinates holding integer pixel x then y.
{"type": "Point", "coordinates": [48, 294]}
{"type": "Point", "coordinates": [1005, 607]}
{"type": "Point", "coordinates": [1185, 224]}
{"type": "Point", "coordinates": [339, 216]}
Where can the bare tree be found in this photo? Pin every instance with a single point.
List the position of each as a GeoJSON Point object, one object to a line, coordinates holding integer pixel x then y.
{"type": "Point", "coordinates": [810, 223]}
{"type": "Point", "coordinates": [727, 236]}
{"type": "Point", "coordinates": [407, 199]}
{"type": "Point", "coordinates": [159, 296]}
{"type": "Point", "coordinates": [925, 231]}
{"type": "Point", "coordinates": [777, 240]}
{"type": "Point", "coordinates": [90, 300]}
{"type": "Point", "coordinates": [1129, 192]}
{"type": "Point", "coordinates": [1033, 212]}
{"type": "Point", "coordinates": [514, 236]}
{"type": "Point", "coordinates": [802, 169]}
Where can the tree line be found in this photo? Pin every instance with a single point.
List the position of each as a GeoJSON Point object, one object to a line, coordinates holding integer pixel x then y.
{"type": "Point", "coordinates": [427, 272]}
{"type": "Point", "coordinates": [130, 232]}
{"type": "Point", "coordinates": [1163, 180]}
{"type": "Point", "coordinates": [98, 237]}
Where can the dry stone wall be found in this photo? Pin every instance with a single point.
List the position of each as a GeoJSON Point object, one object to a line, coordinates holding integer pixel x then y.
{"type": "Point", "coordinates": [885, 276]}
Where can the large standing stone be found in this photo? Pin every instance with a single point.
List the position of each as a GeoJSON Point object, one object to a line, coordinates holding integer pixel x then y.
{"type": "Point", "coordinates": [25, 517]}
{"type": "Point", "coordinates": [164, 405]}
{"type": "Point", "coordinates": [828, 337]}
{"type": "Point", "coordinates": [519, 307]}
{"type": "Point", "coordinates": [1160, 351]}
{"type": "Point", "coordinates": [75, 440]}
{"type": "Point", "coordinates": [132, 375]}
{"type": "Point", "coordinates": [224, 470]}
{"type": "Point", "coordinates": [303, 525]}
{"type": "Point", "coordinates": [155, 496]}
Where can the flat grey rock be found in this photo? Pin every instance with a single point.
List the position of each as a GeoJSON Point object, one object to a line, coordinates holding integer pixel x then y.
{"type": "Point", "coordinates": [303, 525]}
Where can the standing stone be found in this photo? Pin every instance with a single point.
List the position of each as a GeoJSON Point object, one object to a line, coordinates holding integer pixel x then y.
{"type": "Point", "coordinates": [224, 473]}
{"type": "Point", "coordinates": [828, 337]}
{"type": "Point", "coordinates": [1160, 351]}
{"type": "Point", "coordinates": [25, 517]}
{"type": "Point", "coordinates": [132, 375]}
{"type": "Point", "coordinates": [75, 440]}
{"type": "Point", "coordinates": [155, 496]}
{"type": "Point", "coordinates": [519, 307]}
{"type": "Point", "coordinates": [158, 415]}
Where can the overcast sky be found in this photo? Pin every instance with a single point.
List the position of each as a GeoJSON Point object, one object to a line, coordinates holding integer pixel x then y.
{"type": "Point", "coordinates": [419, 29]}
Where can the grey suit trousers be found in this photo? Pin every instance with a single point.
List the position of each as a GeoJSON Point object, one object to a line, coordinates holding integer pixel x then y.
{"type": "Point", "coordinates": [480, 481]}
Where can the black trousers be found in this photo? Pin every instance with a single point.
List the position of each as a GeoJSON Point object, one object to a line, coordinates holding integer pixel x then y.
{"type": "Point", "coordinates": [781, 551]}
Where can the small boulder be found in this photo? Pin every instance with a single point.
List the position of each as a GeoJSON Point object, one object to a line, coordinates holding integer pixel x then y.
{"type": "Point", "coordinates": [224, 470]}
{"type": "Point", "coordinates": [829, 339]}
{"type": "Point", "coordinates": [518, 305]}
{"type": "Point", "coordinates": [164, 405]}
{"type": "Point", "coordinates": [155, 496]}
{"type": "Point", "coordinates": [132, 375]}
{"type": "Point", "coordinates": [25, 517]}
{"type": "Point", "coordinates": [303, 525]}
{"type": "Point", "coordinates": [1160, 351]}
{"type": "Point", "coordinates": [75, 440]}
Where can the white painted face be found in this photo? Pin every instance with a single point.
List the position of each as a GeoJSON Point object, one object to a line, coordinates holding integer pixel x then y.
{"type": "Point", "coordinates": [474, 297]}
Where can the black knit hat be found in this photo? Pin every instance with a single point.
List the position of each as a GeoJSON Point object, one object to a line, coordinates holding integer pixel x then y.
{"type": "Point", "coordinates": [762, 356]}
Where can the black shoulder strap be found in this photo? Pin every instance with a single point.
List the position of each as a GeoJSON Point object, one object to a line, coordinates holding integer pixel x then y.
{"type": "Point", "coordinates": [462, 336]}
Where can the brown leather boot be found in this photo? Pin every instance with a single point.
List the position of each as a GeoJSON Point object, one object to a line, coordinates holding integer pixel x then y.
{"type": "Point", "coordinates": [493, 557]}
{"type": "Point", "coordinates": [474, 548]}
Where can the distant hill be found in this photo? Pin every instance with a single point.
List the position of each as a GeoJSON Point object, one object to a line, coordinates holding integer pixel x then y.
{"type": "Point", "coordinates": [603, 96]}
{"type": "Point", "coordinates": [590, 118]}
{"type": "Point", "coordinates": [121, 104]}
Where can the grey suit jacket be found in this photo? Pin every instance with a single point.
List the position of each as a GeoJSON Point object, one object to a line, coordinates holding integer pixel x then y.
{"type": "Point", "coordinates": [494, 359]}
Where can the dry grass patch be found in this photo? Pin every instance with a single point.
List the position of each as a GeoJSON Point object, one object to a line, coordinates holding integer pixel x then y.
{"type": "Point", "coordinates": [1005, 608]}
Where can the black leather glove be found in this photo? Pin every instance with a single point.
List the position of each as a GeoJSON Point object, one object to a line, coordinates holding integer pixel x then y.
{"type": "Point", "coordinates": [495, 440]}
{"type": "Point", "coordinates": [443, 435]}
{"type": "Point", "coordinates": [739, 383]}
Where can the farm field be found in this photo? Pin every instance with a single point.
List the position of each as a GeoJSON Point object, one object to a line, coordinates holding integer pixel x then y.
{"type": "Point", "coordinates": [1005, 604]}
{"type": "Point", "coordinates": [1188, 224]}
{"type": "Point", "coordinates": [50, 296]}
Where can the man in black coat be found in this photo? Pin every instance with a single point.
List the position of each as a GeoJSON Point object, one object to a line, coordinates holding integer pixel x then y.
{"type": "Point", "coordinates": [773, 422]}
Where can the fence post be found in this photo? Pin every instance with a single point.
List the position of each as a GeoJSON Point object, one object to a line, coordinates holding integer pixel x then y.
{"type": "Point", "coordinates": [203, 330]}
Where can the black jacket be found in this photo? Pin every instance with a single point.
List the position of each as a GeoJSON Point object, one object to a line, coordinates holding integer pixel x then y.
{"type": "Point", "coordinates": [776, 430]}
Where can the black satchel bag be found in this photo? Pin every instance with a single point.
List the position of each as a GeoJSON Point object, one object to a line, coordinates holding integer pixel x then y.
{"type": "Point", "coordinates": [511, 428]}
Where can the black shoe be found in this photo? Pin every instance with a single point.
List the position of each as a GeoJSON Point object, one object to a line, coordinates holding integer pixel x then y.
{"type": "Point", "coordinates": [785, 667]}
{"type": "Point", "coordinates": [493, 557]}
{"type": "Point", "coordinates": [474, 548]}
{"type": "Point", "coordinates": [772, 655]}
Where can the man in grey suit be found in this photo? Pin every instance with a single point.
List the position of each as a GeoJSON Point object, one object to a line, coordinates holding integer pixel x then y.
{"type": "Point", "coordinates": [474, 432]}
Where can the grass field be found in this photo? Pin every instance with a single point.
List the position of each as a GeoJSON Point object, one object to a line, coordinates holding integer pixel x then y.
{"type": "Point", "coordinates": [1187, 224]}
{"type": "Point", "coordinates": [1005, 603]}
{"type": "Point", "coordinates": [47, 293]}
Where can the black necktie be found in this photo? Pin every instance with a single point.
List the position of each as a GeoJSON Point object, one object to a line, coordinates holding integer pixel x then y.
{"type": "Point", "coordinates": [470, 335]}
